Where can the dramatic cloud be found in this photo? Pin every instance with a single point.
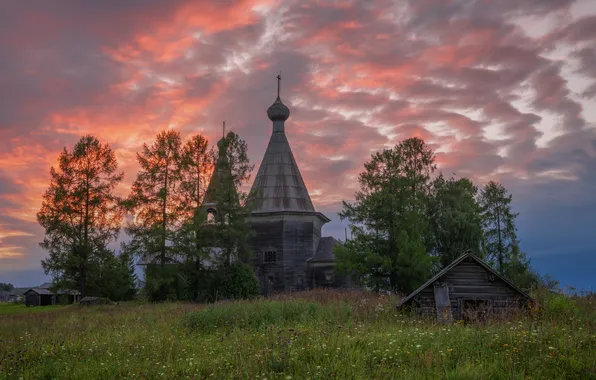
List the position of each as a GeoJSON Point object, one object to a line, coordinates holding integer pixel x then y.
{"type": "Point", "coordinates": [502, 90]}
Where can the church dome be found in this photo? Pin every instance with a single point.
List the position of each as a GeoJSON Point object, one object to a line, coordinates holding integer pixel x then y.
{"type": "Point", "coordinates": [278, 111]}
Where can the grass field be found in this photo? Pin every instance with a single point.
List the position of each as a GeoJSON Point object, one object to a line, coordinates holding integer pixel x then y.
{"type": "Point", "coordinates": [316, 335]}
{"type": "Point", "coordinates": [20, 308]}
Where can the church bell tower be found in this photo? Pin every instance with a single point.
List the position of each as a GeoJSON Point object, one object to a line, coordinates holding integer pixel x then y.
{"type": "Point", "coordinates": [287, 227]}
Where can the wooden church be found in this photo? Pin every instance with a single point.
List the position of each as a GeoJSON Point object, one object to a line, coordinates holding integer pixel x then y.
{"type": "Point", "coordinates": [289, 253]}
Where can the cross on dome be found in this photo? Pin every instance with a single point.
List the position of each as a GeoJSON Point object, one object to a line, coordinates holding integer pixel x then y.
{"type": "Point", "coordinates": [278, 111]}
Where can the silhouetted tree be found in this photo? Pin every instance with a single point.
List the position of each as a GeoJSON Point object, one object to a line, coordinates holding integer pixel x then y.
{"type": "Point", "coordinates": [156, 204]}
{"type": "Point", "coordinates": [196, 166]}
{"type": "Point", "coordinates": [79, 212]}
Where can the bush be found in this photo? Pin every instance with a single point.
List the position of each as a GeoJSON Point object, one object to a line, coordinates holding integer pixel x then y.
{"type": "Point", "coordinates": [234, 282]}
{"type": "Point", "coordinates": [555, 304]}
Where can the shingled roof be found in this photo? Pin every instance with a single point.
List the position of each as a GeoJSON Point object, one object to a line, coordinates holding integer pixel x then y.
{"type": "Point", "coordinates": [278, 185]}
{"type": "Point", "coordinates": [220, 172]}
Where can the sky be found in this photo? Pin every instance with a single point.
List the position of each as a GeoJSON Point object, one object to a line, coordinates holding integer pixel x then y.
{"type": "Point", "coordinates": [502, 90]}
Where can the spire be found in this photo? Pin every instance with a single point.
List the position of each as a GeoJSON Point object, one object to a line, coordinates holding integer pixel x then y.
{"type": "Point", "coordinates": [278, 111]}
{"type": "Point", "coordinates": [278, 185]}
{"type": "Point", "coordinates": [221, 171]}
{"type": "Point", "coordinates": [221, 141]}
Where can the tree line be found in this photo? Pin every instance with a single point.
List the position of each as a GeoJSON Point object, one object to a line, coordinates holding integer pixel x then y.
{"type": "Point", "coordinates": [162, 215]}
{"type": "Point", "coordinates": [407, 222]}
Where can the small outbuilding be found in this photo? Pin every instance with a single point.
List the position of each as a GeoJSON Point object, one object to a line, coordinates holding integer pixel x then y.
{"type": "Point", "coordinates": [39, 297]}
{"type": "Point", "coordinates": [468, 289]}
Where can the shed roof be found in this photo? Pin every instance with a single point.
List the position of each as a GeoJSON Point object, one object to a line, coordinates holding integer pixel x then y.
{"type": "Point", "coordinates": [45, 285]}
{"type": "Point", "coordinates": [41, 291]}
{"type": "Point", "coordinates": [18, 291]}
{"type": "Point", "coordinates": [325, 249]}
{"type": "Point", "coordinates": [465, 255]}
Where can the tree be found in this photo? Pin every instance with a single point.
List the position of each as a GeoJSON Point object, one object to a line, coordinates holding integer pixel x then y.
{"type": "Point", "coordinates": [79, 212]}
{"type": "Point", "coordinates": [500, 236]}
{"type": "Point", "coordinates": [455, 218]}
{"type": "Point", "coordinates": [389, 220]}
{"type": "Point", "coordinates": [6, 287]}
{"type": "Point", "coordinates": [115, 276]}
{"type": "Point", "coordinates": [157, 205]}
{"type": "Point", "coordinates": [196, 164]}
{"type": "Point", "coordinates": [501, 245]}
{"type": "Point", "coordinates": [233, 230]}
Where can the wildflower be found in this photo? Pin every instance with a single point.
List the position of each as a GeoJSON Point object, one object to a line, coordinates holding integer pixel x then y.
{"type": "Point", "coordinates": [505, 345]}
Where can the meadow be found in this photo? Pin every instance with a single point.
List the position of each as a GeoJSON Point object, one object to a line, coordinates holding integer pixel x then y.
{"type": "Point", "coordinates": [311, 335]}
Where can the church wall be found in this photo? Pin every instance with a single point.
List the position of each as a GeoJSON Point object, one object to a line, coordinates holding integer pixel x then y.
{"type": "Point", "coordinates": [268, 237]}
{"type": "Point", "coordinates": [318, 226]}
{"type": "Point", "coordinates": [298, 243]}
{"type": "Point", "coordinates": [294, 239]}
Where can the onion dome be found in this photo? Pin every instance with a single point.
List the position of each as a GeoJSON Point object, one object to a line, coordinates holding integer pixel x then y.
{"type": "Point", "coordinates": [278, 111]}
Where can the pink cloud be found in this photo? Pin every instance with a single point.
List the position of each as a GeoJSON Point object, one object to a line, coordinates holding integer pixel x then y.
{"type": "Point", "coordinates": [358, 77]}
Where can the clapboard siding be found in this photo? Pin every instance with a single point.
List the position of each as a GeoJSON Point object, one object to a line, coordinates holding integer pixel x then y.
{"type": "Point", "coordinates": [293, 238]}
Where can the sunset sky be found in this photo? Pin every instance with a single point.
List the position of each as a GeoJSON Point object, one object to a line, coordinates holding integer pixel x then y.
{"type": "Point", "coordinates": [502, 90]}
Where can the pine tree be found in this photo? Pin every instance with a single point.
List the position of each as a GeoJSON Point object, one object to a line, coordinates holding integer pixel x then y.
{"type": "Point", "coordinates": [157, 206]}
{"type": "Point", "coordinates": [80, 213]}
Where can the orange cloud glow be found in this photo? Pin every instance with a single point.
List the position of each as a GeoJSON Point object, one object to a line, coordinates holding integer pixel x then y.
{"type": "Point", "coordinates": [357, 76]}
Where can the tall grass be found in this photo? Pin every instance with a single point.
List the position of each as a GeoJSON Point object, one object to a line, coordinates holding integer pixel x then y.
{"type": "Point", "coordinates": [317, 335]}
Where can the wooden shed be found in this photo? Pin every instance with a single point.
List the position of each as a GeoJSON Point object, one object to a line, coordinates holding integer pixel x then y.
{"type": "Point", "coordinates": [467, 289]}
{"type": "Point", "coordinates": [39, 297]}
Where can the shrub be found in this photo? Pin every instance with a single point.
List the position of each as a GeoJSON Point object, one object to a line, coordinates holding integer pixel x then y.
{"type": "Point", "coordinates": [555, 304]}
{"type": "Point", "coordinates": [233, 282]}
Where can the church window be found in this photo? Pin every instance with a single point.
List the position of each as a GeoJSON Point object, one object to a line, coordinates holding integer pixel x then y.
{"type": "Point", "coordinates": [211, 215]}
{"type": "Point", "coordinates": [269, 257]}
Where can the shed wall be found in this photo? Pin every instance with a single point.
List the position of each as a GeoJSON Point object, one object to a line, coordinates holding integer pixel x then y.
{"type": "Point", "coordinates": [470, 281]}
